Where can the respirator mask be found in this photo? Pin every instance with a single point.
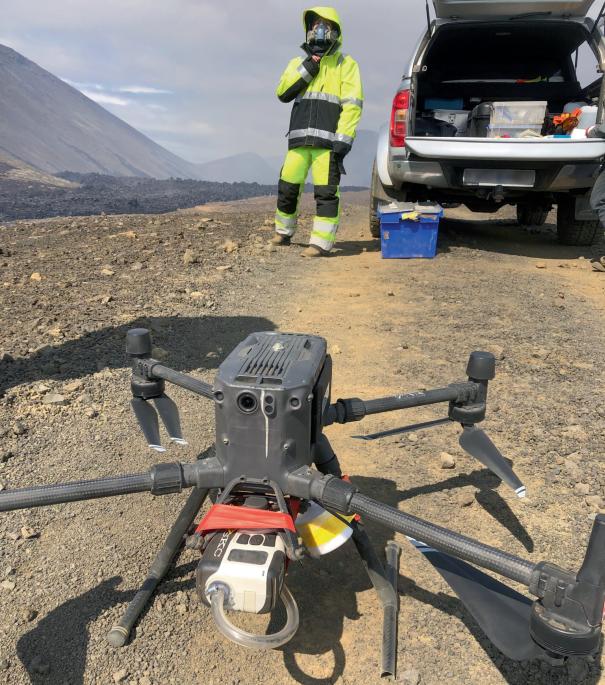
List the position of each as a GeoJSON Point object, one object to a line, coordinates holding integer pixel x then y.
{"type": "Point", "coordinates": [321, 37]}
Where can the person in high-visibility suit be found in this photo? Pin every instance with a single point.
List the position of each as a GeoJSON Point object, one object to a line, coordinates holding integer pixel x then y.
{"type": "Point", "coordinates": [328, 98]}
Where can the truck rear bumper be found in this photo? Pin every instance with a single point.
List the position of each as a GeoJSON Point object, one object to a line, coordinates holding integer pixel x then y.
{"type": "Point", "coordinates": [449, 174]}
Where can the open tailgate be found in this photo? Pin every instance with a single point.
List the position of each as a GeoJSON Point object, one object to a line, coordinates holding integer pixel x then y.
{"type": "Point", "coordinates": [490, 9]}
{"type": "Point", "coordinates": [514, 149]}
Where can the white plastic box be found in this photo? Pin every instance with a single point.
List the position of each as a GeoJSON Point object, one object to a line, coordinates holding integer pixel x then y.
{"type": "Point", "coordinates": [518, 113]}
{"type": "Point", "coordinates": [514, 131]}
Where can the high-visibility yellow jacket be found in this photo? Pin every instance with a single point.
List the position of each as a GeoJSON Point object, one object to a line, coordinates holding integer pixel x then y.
{"type": "Point", "coordinates": [328, 97]}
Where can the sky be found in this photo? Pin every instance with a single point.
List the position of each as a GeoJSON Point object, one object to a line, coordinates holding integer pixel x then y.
{"type": "Point", "coordinates": [198, 76]}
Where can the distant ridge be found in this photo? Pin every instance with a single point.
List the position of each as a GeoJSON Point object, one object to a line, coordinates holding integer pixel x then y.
{"type": "Point", "coordinates": [247, 167]}
{"type": "Point", "coordinates": [47, 124]}
{"type": "Point", "coordinates": [251, 167]}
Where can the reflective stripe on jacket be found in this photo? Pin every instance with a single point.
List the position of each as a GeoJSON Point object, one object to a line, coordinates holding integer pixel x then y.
{"type": "Point", "coordinates": [328, 98]}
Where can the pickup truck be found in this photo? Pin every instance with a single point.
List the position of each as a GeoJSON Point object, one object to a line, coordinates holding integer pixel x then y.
{"type": "Point", "coordinates": [477, 52]}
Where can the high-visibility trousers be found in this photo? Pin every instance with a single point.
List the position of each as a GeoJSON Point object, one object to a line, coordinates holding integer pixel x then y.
{"type": "Point", "coordinates": [326, 179]}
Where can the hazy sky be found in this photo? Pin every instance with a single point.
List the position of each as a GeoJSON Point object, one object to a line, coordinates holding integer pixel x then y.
{"type": "Point", "coordinates": [199, 76]}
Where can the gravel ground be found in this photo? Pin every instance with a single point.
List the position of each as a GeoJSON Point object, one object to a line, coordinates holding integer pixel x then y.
{"type": "Point", "coordinates": [202, 279]}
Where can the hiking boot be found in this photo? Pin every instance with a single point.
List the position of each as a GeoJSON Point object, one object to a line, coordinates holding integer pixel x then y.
{"type": "Point", "coordinates": [279, 239]}
{"type": "Point", "coordinates": [314, 251]}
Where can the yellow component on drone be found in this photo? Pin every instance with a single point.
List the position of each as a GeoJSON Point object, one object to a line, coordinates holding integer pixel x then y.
{"type": "Point", "coordinates": [321, 531]}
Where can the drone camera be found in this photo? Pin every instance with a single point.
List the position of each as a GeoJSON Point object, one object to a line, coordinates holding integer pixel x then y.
{"type": "Point", "coordinates": [247, 403]}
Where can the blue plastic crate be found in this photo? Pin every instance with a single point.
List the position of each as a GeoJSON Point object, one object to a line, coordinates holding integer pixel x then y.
{"type": "Point", "coordinates": [406, 238]}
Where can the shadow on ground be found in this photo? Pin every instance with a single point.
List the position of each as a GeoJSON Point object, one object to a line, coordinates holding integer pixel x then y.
{"type": "Point", "coordinates": [326, 592]}
{"type": "Point", "coordinates": [504, 236]}
{"type": "Point", "coordinates": [55, 650]}
{"type": "Point", "coordinates": [335, 581]}
{"type": "Point", "coordinates": [496, 235]}
{"type": "Point", "coordinates": [190, 343]}
{"type": "Point", "coordinates": [487, 496]}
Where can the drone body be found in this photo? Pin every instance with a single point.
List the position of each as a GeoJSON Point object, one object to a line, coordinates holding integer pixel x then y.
{"type": "Point", "coordinates": [279, 481]}
{"type": "Point", "coordinates": [270, 396]}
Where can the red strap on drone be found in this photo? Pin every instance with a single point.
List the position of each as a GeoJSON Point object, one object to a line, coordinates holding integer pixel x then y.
{"type": "Point", "coordinates": [228, 517]}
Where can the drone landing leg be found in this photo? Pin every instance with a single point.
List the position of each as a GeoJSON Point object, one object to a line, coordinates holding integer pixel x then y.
{"type": "Point", "coordinates": [118, 635]}
{"type": "Point", "coordinates": [384, 582]}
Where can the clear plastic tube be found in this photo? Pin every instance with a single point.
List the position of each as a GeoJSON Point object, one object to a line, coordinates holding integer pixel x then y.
{"type": "Point", "coordinates": [219, 592]}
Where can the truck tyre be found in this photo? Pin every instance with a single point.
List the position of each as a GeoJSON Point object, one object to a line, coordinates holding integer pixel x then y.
{"type": "Point", "coordinates": [531, 215]}
{"type": "Point", "coordinates": [571, 231]}
{"type": "Point", "coordinates": [374, 189]}
{"type": "Point", "coordinates": [380, 193]}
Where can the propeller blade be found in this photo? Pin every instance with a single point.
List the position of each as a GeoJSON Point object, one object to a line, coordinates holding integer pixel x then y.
{"type": "Point", "coordinates": [404, 429]}
{"type": "Point", "coordinates": [148, 421]}
{"type": "Point", "coordinates": [501, 612]}
{"type": "Point", "coordinates": [474, 441]}
{"type": "Point", "coordinates": [170, 418]}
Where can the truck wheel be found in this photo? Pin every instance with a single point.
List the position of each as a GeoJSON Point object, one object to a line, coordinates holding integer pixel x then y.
{"type": "Point", "coordinates": [374, 220]}
{"type": "Point", "coordinates": [531, 215]}
{"type": "Point", "coordinates": [571, 231]}
{"type": "Point", "coordinates": [378, 194]}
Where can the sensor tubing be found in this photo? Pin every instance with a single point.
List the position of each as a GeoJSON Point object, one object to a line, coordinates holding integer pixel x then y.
{"type": "Point", "coordinates": [444, 540]}
{"type": "Point", "coordinates": [219, 594]}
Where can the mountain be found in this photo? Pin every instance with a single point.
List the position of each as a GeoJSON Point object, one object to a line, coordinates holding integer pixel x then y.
{"type": "Point", "coordinates": [15, 170]}
{"type": "Point", "coordinates": [252, 167]}
{"type": "Point", "coordinates": [51, 126]}
{"type": "Point", "coordinates": [246, 166]}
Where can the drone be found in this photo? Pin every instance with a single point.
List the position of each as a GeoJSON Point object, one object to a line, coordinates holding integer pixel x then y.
{"type": "Point", "coordinates": [278, 494]}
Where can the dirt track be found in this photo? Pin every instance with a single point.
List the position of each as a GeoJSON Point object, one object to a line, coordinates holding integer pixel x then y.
{"type": "Point", "coordinates": [391, 325]}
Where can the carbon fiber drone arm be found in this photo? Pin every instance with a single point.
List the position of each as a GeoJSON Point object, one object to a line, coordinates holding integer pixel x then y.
{"type": "Point", "coordinates": [565, 619]}
{"type": "Point", "coordinates": [162, 479]}
{"type": "Point", "coordinates": [466, 400]}
{"type": "Point", "coordinates": [182, 380]}
{"type": "Point", "coordinates": [355, 409]}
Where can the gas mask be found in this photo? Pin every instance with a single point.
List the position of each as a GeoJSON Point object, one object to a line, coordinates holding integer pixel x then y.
{"type": "Point", "coordinates": [322, 37]}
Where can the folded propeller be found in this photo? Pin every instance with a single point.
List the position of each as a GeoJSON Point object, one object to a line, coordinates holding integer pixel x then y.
{"type": "Point", "coordinates": [147, 390]}
{"type": "Point", "coordinates": [475, 442]}
{"type": "Point", "coordinates": [467, 411]}
{"type": "Point", "coordinates": [503, 614]}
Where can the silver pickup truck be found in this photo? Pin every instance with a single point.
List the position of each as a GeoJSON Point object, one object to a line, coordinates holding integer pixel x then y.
{"type": "Point", "coordinates": [477, 52]}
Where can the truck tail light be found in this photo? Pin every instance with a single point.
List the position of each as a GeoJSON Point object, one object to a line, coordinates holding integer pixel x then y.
{"type": "Point", "coordinates": [399, 118]}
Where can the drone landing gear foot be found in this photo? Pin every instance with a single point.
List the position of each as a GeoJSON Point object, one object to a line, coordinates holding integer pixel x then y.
{"type": "Point", "coordinates": [118, 635]}
{"type": "Point", "coordinates": [384, 582]}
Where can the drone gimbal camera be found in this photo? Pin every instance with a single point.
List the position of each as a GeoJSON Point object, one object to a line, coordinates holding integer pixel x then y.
{"type": "Point", "coordinates": [278, 482]}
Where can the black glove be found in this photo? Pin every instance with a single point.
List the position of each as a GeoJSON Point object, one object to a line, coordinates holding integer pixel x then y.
{"type": "Point", "coordinates": [341, 149]}
{"type": "Point", "coordinates": [311, 66]}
